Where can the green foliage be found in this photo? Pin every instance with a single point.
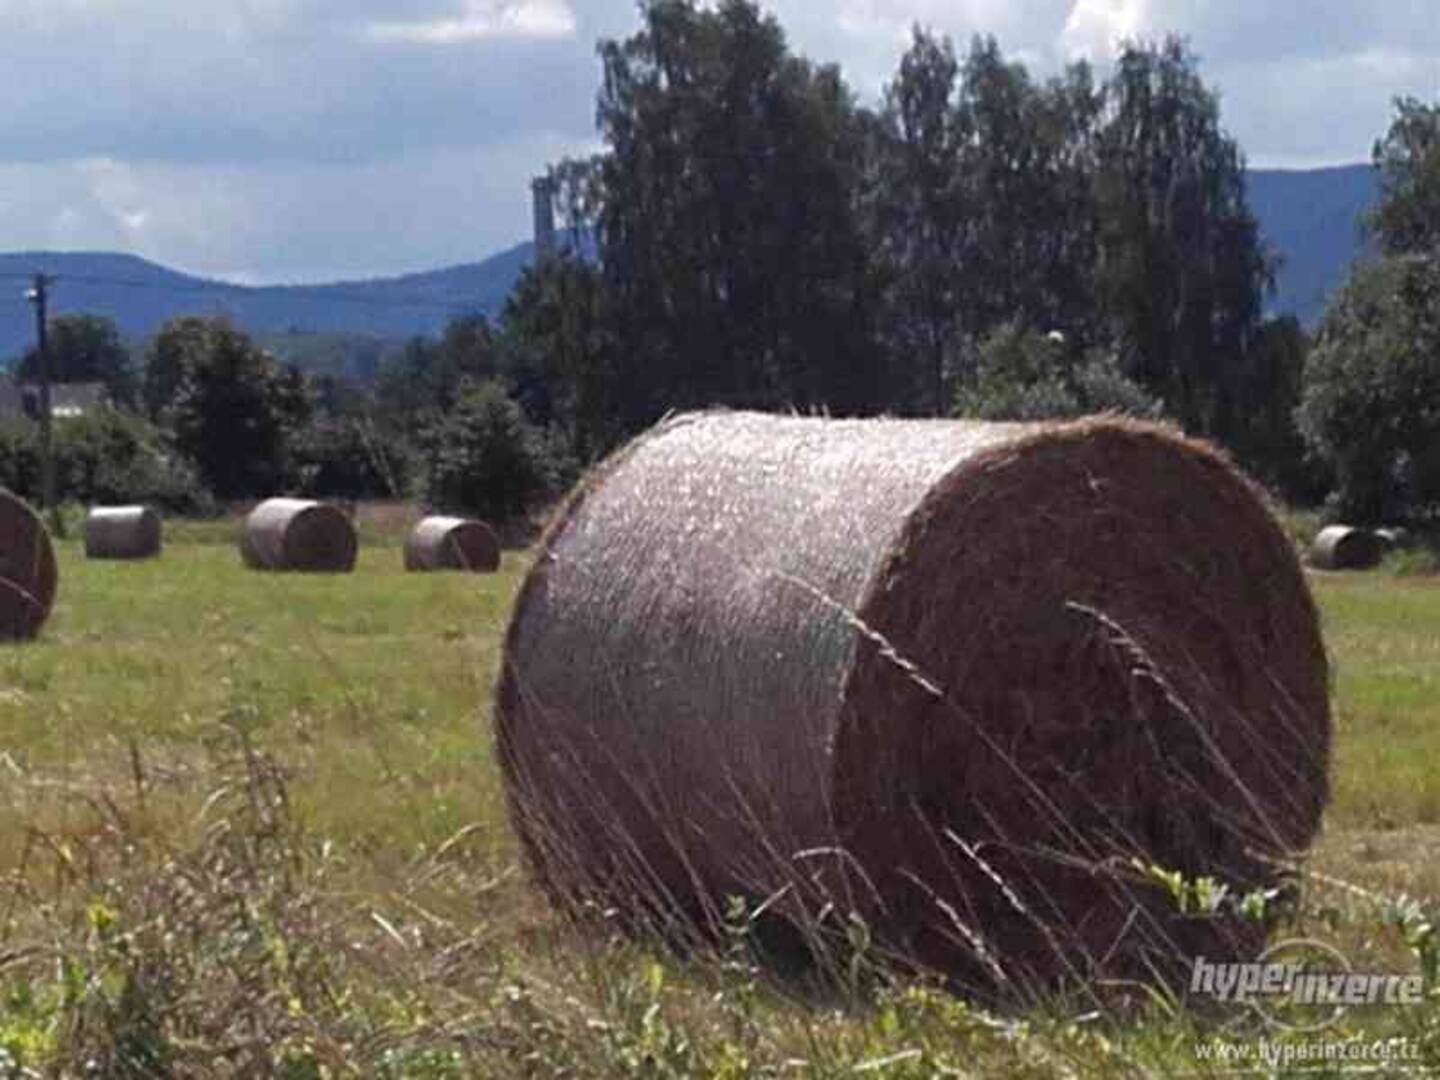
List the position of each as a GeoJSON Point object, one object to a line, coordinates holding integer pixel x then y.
{"type": "Point", "coordinates": [1407, 217]}
{"type": "Point", "coordinates": [86, 348]}
{"type": "Point", "coordinates": [1181, 270]}
{"type": "Point", "coordinates": [733, 259]}
{"type": "Point", "coordinates": [485, 458]}
{"type": "Point", "coordinates": [425, 378]}
{"type": "Point", "coordinates": [1265, 435]}
{"type": "Point", "coordinates": [349, 457]}
{"type": "Point", "coordinates": [560, 356]}
{"type": "Point", "coordinates": [231, 406]}
{"type": "Point", "coordinates": [1025, 375]}
{"type": "Point", "coordinates": [104, 456]}
{"type": "Point", "coordinates": [1371, 403]}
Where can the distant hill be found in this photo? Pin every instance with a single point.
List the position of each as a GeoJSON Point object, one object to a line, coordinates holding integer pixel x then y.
{"type": "Point", "coordinates": [1309, 216]}
{"type": "Point", "coordinates": [1312, 218]}
{"type": "Point", "coordinates": [140, 295]}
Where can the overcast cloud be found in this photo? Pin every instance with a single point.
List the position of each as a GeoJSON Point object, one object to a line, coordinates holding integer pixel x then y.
{"type": "Point", "coordinates": [270, 140]}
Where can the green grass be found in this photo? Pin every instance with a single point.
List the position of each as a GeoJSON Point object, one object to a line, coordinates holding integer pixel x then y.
{"type": "Point", "coordinates": [260, 812]}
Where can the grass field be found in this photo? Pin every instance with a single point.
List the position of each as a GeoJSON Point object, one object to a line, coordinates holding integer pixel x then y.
{"type": "Point", "coordinates": [250, 825]}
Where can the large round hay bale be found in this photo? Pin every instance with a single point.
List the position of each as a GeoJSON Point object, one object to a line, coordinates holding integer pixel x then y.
{"type": "Point", "coordinates": [1345, 547]}
{"type": "Point", "coordinates": [28, 575]}
{"type": "Point", "coordinates": [298, 534]}
{"type": "Point", "coordinates": [963, 679]}
{"type": "Point", "coordinates": [452, 543]}
{"type": "Point", "coordinates": [122, 532]}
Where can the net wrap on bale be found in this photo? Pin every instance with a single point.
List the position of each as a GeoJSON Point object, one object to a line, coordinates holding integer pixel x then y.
{"type": "Point", "coordinates": [959, 678]}
{"type": "Point", "coordinates": [28, 574]}
{"type": "Point", "coordinates": [452, 543]}
{"type": "Point", "coordinates": [122, 532]}
{"type": "Point", "coordinates": [298, 534]}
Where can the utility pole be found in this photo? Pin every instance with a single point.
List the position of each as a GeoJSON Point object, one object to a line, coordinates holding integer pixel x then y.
{"type": "Point", "coordinates": [39, 296]}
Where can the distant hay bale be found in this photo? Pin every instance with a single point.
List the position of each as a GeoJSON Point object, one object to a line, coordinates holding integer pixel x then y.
{"type": "Point", "coordinates": [1345, 547]}
{"type": "Point", "coordinates": [964, 679]}
{"type": "Point", "coordinates": [1394, 537]}
{"type": "Point", "coordinates": [452, 543]}
{"type": "Point", "coordinates": [28, 575]}
{"type": "Point", "coordinates": [298, 534]}
{"type": "Point", "coordinates": [122, 532]}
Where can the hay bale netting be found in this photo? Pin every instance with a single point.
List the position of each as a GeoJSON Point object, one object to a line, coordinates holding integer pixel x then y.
{"type": "Point", "coordinates": [122, 532]}
{"type": "Point", "coordinates": [298, 534]}
{"type": "Point", "coordinates": [28, 574]}
{"type": "Point", "coordinates": [1345, 547]}
{"type": "Point", "coordinates": [452, 543]}
{"type": "Point", "coordinates": [894, 664]}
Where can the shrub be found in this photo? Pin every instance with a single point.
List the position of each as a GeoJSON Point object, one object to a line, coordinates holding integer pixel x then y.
{"type": "Point", "coordinates": [1371, 402]}
{"type": "Point", "coordinates": [104, 456]}
{"type": "Point", "coordinates": [485, 458]}
{"type": "Point", "coordinates": [348, 457]}
{"type": "Point", "coordinates": [1025, 375]}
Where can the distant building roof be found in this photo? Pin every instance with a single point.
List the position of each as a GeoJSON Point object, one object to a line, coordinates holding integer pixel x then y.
{"type": "Point", "coordinates": [66, 399]}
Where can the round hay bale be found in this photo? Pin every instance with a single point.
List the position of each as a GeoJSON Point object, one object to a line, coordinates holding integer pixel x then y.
{"type": "Point", "coordinates": [1394, 537]}
{"type": "Point", "coordinates": [1345, 547]}
{"type": "Point", "coordinates": [968, 680]}
{"type": "Point", "coordinates": [28, 575]}
{"type": "Point", "coordinates": [122, 532]}
{"type": "Point", "coordinates": [298, 534]}
{"type": "Point", "coordinates": [452, 543]}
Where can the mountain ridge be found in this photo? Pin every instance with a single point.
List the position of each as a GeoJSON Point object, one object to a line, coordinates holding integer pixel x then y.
{"type": "Point", "coordinates": [1309, 217]}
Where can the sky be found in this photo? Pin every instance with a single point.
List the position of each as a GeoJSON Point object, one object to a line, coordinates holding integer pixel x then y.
{"type": "Point", "coordinates": [312, 140]}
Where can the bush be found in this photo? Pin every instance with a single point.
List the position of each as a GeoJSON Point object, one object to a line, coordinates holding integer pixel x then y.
{"type": "Point", "coordinates": [348, 457]}
{"type": "Point", "coordinates": [1371, 402]}
{"type": "Point", "coordinates": [1025, 375]}
{"type": "Point", "coordinates": [105, 456]}
{"type": "Point", "coordinates": [485, 458]}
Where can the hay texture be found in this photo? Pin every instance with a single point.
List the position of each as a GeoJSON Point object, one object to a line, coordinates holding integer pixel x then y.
{"type": "Point", "coordinates": [298, 534]}
{"type": "Point", "coordinates": [452, 543]}
{"type": "Point", "coordinates": [122, 532]}
{"type": "Point", "coordinates": [1344, 547]}
{"type": "Point", "coordinates": [28, 575]}
{"type": "Point", "coordinates": [951, 676]}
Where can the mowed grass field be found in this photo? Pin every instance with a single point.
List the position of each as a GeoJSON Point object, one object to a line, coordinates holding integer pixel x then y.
{"type": "Point", "coordinates": [251, 824]}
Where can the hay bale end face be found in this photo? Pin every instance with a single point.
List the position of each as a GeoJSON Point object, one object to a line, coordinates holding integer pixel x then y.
{"type": "Point", "coordinates": [956, 677]}
{"type": "Point", "coordinates": [122, 532]}
{"type": "Point", "coordinates": [1345, 547]}
{"type": "Point", "coordinates": [298, 534]}
{"type": "Point", "coordinates": [28, 574]}
{"type": "Point", "coordinates": [452, 543]}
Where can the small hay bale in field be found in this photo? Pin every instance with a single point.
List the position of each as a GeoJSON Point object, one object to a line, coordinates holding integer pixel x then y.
{"type": "Point", "coordinates": [122, 532]}
{"type": "Point", "coordinates": [960, 678]}
{"type": "Point", "coordinates": [452, 543]}
{"type": "Point", "coordinates": [1345, 547]}
{"type": "Point", "coordinates": [1394, 537]}
{"type": "Point", "coordinates": [28, 574]}
{"type": "Point", "coordinates": [298, 534]}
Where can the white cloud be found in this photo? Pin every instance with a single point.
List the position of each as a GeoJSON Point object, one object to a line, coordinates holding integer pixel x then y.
{"type": "Point", "coordinates": [1096, 27]}
{"type": "Point", "coordinates": [481, 20]}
